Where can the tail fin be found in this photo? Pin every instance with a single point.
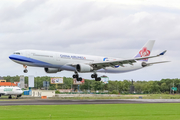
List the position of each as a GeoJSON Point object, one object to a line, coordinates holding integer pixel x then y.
{"type": "Point", "coordinates": [146, 50]}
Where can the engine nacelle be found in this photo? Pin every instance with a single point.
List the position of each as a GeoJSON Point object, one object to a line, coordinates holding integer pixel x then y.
{"type": "Point", "coordinates": [144, 64]}
{"type": "Point", "coordinates": [52, 70]}
{"type": "Point", "coordinates": [83, 68]}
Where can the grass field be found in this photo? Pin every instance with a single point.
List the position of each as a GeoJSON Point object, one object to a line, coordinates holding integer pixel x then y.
{"type": "Point", "coordinates": [92, 112]}
{"type": "Point", "coordinates": [130, 96]}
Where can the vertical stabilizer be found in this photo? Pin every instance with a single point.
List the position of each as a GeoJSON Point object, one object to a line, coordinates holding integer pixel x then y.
{"type": "Point", "coordinates": [146, 50]}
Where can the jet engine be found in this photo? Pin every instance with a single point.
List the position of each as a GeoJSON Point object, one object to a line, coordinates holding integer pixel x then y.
{"type": "Point", "coordinates": [144, 64]}
{"type": "Point", "coordinates": [52, 70]}
{"type": "Point", "coordinates": [83, 68]}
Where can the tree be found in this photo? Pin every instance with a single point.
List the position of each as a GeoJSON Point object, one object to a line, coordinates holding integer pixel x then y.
{"type": "Point", "coordinates": [138, 87]}
{"type": "Point", "coordinates": [164, 87]}
{"type": "Point", "coordinates": [97, 85]}
{"type": "Point", "coordinates": [126, 84]}
{"type": "Point", "coordinates": [112, 85]}
{"type": "Point", "coordinates": [154, 87]}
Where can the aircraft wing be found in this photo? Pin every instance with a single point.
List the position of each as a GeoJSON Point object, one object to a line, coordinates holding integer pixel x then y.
{"type": "Point", "coordinates": [99, 65]}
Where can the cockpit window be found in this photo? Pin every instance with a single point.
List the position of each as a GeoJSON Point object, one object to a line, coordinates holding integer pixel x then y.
{"type": "Point", "coordinates": [17, 53]}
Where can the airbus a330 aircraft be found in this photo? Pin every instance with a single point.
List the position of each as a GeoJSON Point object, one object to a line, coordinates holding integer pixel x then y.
{"type": "Point", "coordinates": [54, 62]}
{"type": "Point", "coordinates": [9, 91]}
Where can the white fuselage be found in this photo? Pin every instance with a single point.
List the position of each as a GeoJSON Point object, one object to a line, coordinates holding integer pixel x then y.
{"type": "Point", "coordinates": [65, 61]}
{"type": "Point", "coordinates": [10, 91]}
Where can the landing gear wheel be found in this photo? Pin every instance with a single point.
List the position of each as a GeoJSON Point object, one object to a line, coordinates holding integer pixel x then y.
{"type": "Point", "coordinates": [75, 76]}
{"type": "Point", "coordinates": [10, 97]}
{"type": "Point", "coordinates": [25, 68]}
{"type": "Point", "coordinates": [94, 76]}
{"type": "Point", "coordinates": [79, 79]}
{"type": "Point", "coordinates": [98, 79]}
{"type": "Point", "coordinates": [25, 71]}
{"type": "Point", "coordinates": [18, 96]}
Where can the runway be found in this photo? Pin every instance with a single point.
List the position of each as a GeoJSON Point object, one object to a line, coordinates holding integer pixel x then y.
{"type": "Point", "coordinates": [73, 102]}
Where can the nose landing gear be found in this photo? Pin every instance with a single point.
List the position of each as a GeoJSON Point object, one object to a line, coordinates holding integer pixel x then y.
{"type": "Point", "coordinates": [25, 69]}
{"type": "Point", "coordinates": [10, 97]}
{"type": "Point", "coordinates": [18, 96]}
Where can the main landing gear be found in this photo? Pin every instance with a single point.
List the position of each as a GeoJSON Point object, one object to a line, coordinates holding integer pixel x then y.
{"type": "Point", "coordinates": [25, 69]}
{"type": "Point", "coordinates": [18, 96]}
{"type": "Point", "coordinates": [77, 77]}
{"type": "Point", "coordinates": [95, 76]}
{"type": "Point", "coordinates": [92, 76]}
{"type": "Point", "coordinates": [10, 97]}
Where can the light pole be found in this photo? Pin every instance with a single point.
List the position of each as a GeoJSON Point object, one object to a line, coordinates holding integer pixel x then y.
{"type": "Point", "coordinates": [11, 81]}
{"type": "Point", "coordinates": [101, 87]}
{"type": "Point", "coordinates": [88, 87]}
{"type": "Point", "coordinates": [116, 87]}
{"type": "Point", "coordinates": [173, 87]}
{"type": "Point", "coordinates": [179, 88]}
{"type": "Point", "coordinates": [170, 88]}
{"type": "Point", "coordinates": [71, 87]}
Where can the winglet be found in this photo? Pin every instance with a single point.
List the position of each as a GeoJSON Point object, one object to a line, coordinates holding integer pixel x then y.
{"type": "Point", "coordinates": [163, 52]}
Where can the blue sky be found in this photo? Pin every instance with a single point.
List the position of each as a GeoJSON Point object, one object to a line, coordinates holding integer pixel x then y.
{"type": "Point", "coordinates": [112, 28]}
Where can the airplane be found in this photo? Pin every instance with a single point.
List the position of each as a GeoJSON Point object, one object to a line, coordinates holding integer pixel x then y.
{"type": "Point", "coordinates": [9, 91]}
{"type": "Point", "coordinates": [54, 62]}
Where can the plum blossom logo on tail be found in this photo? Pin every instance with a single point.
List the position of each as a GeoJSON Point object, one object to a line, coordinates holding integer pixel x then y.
{"type": "Point", "coordinates": [144, 52]}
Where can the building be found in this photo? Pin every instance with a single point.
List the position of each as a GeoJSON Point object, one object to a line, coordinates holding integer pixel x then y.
{"type": "Point", "coordinates": [2, 80]}
{"type": "Point", "coordinates": [7, 84]}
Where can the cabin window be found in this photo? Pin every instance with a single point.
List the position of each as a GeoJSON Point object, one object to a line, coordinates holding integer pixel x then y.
{"type": "Point", "coordinates": [17, 53]}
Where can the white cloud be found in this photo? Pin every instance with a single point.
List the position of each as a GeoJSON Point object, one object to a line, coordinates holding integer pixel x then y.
{"type": "Point", "coordinates": [97, 27]}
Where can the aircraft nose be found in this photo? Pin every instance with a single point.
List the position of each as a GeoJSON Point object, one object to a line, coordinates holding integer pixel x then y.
{"type": "Point", "coordinates": [21, 92]}
{"type": "Point", "coordinates": [11, 57]}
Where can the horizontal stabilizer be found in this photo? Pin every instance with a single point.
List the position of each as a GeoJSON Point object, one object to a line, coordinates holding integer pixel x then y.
{"type": "Point", "coordinates": [157, 62]}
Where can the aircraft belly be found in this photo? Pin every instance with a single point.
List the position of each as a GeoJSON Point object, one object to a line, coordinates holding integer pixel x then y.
{"type": "Point", "coordinates": [68, 68]}
{"type": "Point", "coordinates": [121, 69]}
